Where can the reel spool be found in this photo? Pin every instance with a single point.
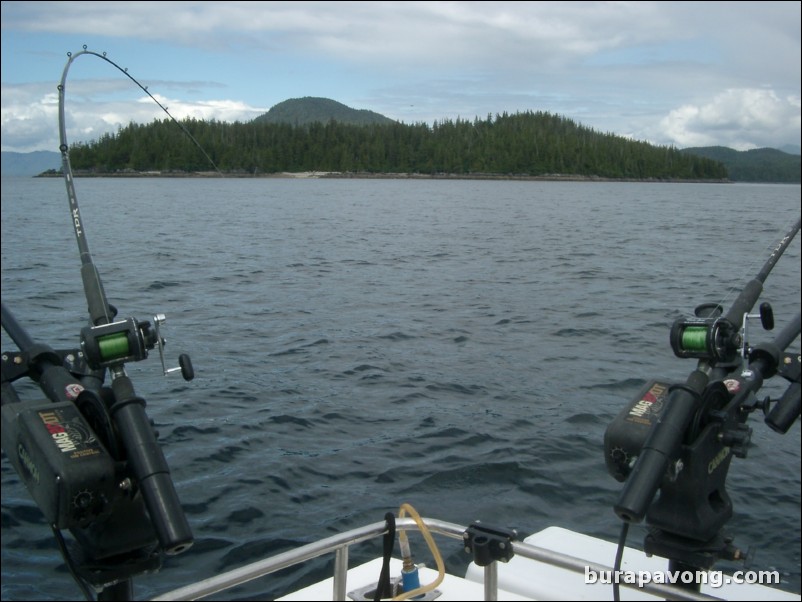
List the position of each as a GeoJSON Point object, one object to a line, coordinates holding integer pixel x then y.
{"type": "Point", "coordinates": [713, 339]}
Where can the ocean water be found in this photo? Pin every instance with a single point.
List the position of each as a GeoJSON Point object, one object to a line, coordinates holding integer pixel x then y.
{"type": "Point", "coordinates": [358, 344]}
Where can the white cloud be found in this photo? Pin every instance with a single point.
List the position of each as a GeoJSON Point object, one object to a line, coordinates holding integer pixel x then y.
{"type": "Point", "coordinates": [220, 110]}
{"type": "Point", "coordinates": [30, 115]}
{"type": "Point", "coordinates": [738, 118]}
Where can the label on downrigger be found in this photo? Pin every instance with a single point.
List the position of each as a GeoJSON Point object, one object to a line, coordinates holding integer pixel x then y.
{"type": "Point", "coordinates": [66, 468]}
{"type": "Point", "coordinates": [626, 435]}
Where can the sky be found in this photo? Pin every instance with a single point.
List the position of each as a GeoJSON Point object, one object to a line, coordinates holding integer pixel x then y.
{"type": "Point", "coordinates": [683, 74]}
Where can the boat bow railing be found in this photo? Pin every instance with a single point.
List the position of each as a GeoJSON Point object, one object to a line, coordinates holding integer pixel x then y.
{"type": "Point", "coordinates": [340, 544]}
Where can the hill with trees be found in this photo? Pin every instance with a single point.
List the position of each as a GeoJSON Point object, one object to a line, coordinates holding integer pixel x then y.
{"type": "Point", "coordinates": [756, 165]}
{"type": "Point", "coordinates": [520, 144]}
{"type": "Point", "coordinates": [309, 109]}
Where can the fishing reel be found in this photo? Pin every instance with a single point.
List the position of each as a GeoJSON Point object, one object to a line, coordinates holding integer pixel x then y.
{"type": "Point", "coordinates": [128, 340]}
{"type": "Point", "coordinates": [714, 338]}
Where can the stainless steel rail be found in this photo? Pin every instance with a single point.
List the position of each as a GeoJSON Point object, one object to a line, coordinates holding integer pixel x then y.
{"type": "Point", "coordinates": [340, 544]}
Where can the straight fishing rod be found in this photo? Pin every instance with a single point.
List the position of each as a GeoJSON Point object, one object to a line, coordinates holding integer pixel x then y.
{"type": "Point", "coordinates": [716, 341]}
{"type": "Point", "coordinates": [681, 438]}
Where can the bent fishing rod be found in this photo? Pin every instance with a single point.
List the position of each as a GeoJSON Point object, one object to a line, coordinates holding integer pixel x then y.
{"type": "Point", "coordinates": [88, 454]}
{"type": "Point", "coordinates": [680, 438]}
{"type": "Point", "coordinates": [110, 345]}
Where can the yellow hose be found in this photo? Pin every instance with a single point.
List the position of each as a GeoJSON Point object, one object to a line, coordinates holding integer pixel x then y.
{"type": "Point", "coordinates": [402, 535]}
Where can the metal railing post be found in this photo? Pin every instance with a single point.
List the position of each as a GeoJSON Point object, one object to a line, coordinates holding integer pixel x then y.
{"type": "Point", "coordinates": [340, 573]}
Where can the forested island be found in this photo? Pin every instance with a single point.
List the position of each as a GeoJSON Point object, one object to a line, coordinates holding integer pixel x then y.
{"type": "Point", "coordinates": [524, 144]}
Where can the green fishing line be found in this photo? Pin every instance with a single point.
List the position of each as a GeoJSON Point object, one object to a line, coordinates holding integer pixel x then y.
{"type": "Point", "coordinates": [694, 338]}
{"type": "Point", "coordinates": [113, 346]}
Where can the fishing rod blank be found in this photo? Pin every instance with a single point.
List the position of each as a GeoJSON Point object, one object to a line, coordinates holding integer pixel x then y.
{"type": "Point", "coordinates": [110, 344]}
{"type": "Point", "coordinates": [664, 441]}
